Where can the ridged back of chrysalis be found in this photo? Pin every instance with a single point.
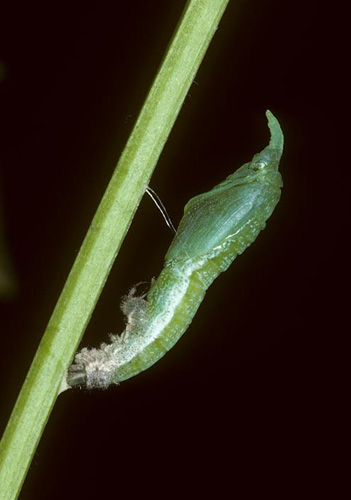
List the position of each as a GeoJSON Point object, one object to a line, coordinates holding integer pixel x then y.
{"type": "Point", "coordinates": [229, 217]}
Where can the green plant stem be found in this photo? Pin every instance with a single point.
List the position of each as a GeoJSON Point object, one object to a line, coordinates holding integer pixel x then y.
{"type": "Point", "coordinates": [103, 240]}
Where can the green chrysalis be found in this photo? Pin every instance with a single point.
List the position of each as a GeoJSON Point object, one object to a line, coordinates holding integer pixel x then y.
{"type": "Point", "coordinates": [215, 228]}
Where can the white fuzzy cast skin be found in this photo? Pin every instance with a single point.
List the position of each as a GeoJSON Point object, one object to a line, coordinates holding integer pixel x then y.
{"type": "Point", "coordinates": [216, 227]}
{"type": "Point", "coordinates": [153, 327]}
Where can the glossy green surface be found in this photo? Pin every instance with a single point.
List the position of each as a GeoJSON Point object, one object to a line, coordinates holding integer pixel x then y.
{"type": "Point", "coordinates": [244, 198]}
{"type": "Point", "coordinates": [216, 227]}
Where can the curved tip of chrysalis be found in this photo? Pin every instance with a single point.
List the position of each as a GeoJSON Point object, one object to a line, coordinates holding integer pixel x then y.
{"type": "Point", "coordinates": [277, 137]}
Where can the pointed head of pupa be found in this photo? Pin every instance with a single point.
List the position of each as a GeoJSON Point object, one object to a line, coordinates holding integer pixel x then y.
{"type": "Point", "coordinates": [270, 156]}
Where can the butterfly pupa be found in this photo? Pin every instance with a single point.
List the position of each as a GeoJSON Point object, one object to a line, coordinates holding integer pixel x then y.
{"type": "Point", "coordinates": [215, 228]}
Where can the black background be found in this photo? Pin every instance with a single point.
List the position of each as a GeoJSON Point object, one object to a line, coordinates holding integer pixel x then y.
{"type": "Point", "coordinates": [233, 405]}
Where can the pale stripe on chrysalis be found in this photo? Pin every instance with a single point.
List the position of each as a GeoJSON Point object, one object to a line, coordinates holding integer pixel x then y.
{"type": "Point", "coordinates": [215, 228]}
